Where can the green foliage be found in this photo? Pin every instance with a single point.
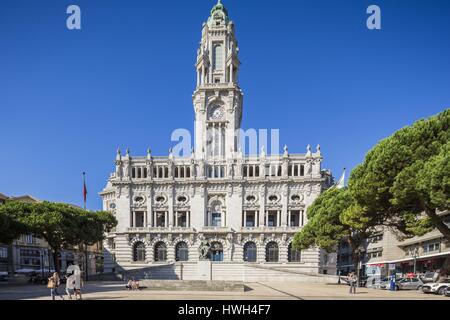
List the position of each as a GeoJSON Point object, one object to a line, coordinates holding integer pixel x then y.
{"type": "Point", "coordinates": [325, 227]}
{"type": "Point", "coordinates": [402, 183]}
{"type": "Point", "coordinates": [10, 226]}
{"type": "Point", "coordinates": [407, 174]}
{"type": "Point", "coordinates": [61, 225]}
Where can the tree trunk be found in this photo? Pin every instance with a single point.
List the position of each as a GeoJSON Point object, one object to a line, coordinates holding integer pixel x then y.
{"type": "Point", "coordinates": [438, 223]}
{"type": "Point", "coordinates": [444, 272]}
{"type": "Point", "coordinates": [86, 259]}
{"type": "Point", "coordinates": [55, 259]}
{"type": "Point", "coordinates": [355, 255]}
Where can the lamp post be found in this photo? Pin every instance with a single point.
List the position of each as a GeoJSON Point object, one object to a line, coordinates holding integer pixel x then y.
{"type": "Point", "coordinates": [339, 263]}
{"type": "Point", "coordinates": [360, 253]}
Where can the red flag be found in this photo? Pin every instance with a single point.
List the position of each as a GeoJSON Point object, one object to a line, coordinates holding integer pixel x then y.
{"type": "Point", "coordinates": [84, 189]}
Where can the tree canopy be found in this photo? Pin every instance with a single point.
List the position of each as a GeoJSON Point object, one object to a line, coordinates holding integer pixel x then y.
{"type": "Point", "coordinates": [61, 225]}
{"type": "Point", "coordinates": [403, 183]}
{"type": "Point", "coordinates": [333, 217]}
{"type": "Point", "coordinates": [405, 179]}
{"type": "Point", "coordinates": [10, 227]}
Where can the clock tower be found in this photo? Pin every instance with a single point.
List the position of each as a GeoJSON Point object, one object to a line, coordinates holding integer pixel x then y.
{"type": "Point", "coordinates": [217, 98]}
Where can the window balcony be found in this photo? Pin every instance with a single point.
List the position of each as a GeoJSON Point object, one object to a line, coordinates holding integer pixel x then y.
{"type": "Point", "coordinates": [216, 229]}
{"type": "Point", "coordinates": [160, 229]}
{"type": "Point", "coordinates": [270, 229]}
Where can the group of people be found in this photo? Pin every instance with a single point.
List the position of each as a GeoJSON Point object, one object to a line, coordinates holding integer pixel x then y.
{"type": "Point", "coordinates": [73, 284]}
{"type": "Point", "coordinates": [132, 285]}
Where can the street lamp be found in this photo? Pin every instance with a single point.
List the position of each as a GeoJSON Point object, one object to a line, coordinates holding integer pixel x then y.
{"type": "Point", "coordinates": [360, 253]}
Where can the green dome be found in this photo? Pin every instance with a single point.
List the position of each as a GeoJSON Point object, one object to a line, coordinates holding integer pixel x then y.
{"type": "Point", "coordinates": [219, 7]}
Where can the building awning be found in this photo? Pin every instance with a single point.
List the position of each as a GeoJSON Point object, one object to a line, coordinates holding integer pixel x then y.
{"type": "Point", "coordinates": [424, 257]}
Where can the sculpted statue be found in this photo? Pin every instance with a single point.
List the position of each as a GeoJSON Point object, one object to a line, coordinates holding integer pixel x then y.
{"type": "Point", "coordinates": [203, 250]}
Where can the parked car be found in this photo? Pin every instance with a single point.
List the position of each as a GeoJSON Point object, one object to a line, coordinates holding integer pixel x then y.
{"type": "Point", "coordinates": [37, 278]}
{"type": "Point", "coordinates": [384, 282]}
{"type": "Point", "coordinates": [429, 277]}
{"type": "Point", "coordinates": [3, 276]}
{"type": "Point", "coordinates": [436, 287]}
{"type": "Point", "coordinates": [447, 292]}
{"type": "Point", "coordinates": [409, 284]}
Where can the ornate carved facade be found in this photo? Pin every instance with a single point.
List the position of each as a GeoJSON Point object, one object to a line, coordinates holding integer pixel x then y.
{"type": "Point", "coordinates": [247, 208]}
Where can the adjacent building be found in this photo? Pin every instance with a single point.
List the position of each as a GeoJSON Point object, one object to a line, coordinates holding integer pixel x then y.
{"type": "Point", "coordinates": [389, 251]}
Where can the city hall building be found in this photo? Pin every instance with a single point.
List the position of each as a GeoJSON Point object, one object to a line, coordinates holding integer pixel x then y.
{"type": "Point", "coordinates": [247, 209]}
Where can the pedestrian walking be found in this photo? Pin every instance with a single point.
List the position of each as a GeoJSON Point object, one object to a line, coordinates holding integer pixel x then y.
{"type": "Point", "coordinates": [78, 285]}
{"type": "Point", "coordinates": [53, 284]}
{"type": "Point", "coordinates": [77, 280]}
{"type": "Point", "coordinates": [353, 282]}
{"type": "Point", "coordinates": [70, 286]}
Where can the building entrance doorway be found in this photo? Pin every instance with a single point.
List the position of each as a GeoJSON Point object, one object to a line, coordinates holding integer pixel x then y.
{"type": "Point", "coordinates": [216, 251]}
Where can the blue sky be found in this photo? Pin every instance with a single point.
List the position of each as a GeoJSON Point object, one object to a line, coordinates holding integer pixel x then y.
{"type": "Point", "coordinates": [311, 68]}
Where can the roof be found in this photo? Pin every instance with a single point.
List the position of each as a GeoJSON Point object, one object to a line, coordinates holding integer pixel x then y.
{"type": "Point", "coordinates": [25, 198]}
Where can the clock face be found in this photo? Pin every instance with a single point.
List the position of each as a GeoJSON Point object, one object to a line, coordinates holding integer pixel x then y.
{"type": "Point", "coordinates": [216, 113]}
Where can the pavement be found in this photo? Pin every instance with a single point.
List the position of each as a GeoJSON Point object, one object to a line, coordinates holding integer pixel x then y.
{"type": "Point", "coordinates": [254, 291]}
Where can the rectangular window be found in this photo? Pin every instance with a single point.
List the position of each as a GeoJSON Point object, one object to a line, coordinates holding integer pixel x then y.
{"type": "Point", "coordinates": [216, 219]}
{"type": "Point", "coordinates": [272, 221]}
{"type": "Point", "coordinates": [217, 57]}
{"type": "Point", "coordinates": [160, 220]}
{"type": "Point", "coordinates": [3, 253]}
{"type": "Point", "coordinates": [250, 222]}
{"type": "Point", "coordinates": [431, 247]}
{"type": "Point", "coordinates": [139, 216]}
{"type": "Point", "coordinates": [295, 218]}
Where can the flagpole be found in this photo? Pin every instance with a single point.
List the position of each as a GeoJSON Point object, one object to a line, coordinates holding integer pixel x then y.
{"type": "Point", "coordinates": [86, 256]}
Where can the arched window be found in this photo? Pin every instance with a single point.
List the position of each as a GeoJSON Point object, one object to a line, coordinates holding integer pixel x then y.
{"type": "Point", "coordinates": [217, 57]}
{"type": "Point", "coordinates": [250, 252]}
{"type": "Point", "coordinates": [139, 252]}
{"type": "Point", "coordinates": [160, 251]}
{"type": "Point", "coordinates": [272, 252]}
{"type": "Point", "coordinates": [293, 254]}
{"type": "Point", "coordinates": [181, 252]}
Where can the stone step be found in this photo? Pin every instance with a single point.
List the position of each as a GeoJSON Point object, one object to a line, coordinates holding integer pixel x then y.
{"type": "Point", "coordinates": [226, 272]}
{"type": "Point", "coordinates": [192, 285]}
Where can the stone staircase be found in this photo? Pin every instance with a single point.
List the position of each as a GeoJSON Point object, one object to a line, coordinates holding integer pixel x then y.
{"type": "Point", "coordinates": [224, 271]}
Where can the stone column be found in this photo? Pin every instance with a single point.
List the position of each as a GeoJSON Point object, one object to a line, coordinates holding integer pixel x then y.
{"type": "Point", "coordinates": [222, 219]}
{"type": "Point", "coordinates": [188, 219]}
{"type": "Point", "coordinates": [145, 219]}
{"type": "Point", "coordinates": [203, 74]}
{"type": "Point", "coordinates": [262, 208]}
{"type": "Point", "coordinates": [289, 219]}
{"type": "Point", "coordinates": [256, 218]}
{"type": "Point", "coordinates": [231, 73]}
{"type": "Point", "coordinates": [301, 218]}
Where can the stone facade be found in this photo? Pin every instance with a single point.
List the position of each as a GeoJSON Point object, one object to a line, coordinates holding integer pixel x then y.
{"type": "Point", "coordinates": [247, 208]}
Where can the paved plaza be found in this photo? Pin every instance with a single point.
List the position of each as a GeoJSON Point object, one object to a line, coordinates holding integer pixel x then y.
{"type": "Point", "coordinates": [254, 291]}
